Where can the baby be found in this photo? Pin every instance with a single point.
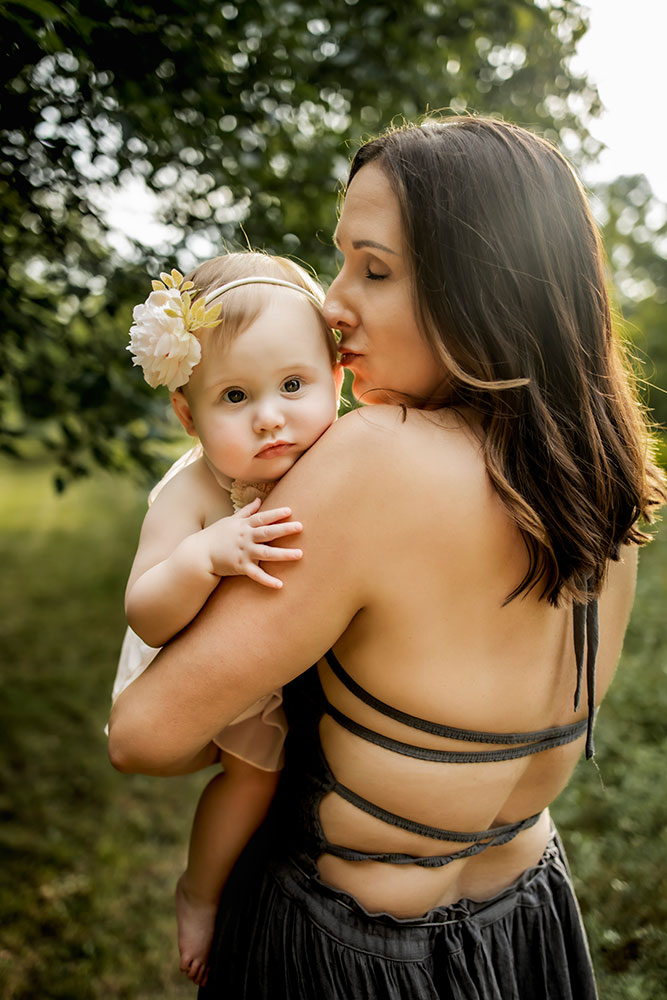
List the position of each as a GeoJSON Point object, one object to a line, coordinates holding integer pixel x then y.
{"type": "Point", "coordinates": [257, 385]}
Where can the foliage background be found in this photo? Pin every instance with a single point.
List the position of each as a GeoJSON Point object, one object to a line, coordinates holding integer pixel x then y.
{"type": "Point", "coordinates": [242, 118]}
{"type": "Point", "coordinates": [238, 115]}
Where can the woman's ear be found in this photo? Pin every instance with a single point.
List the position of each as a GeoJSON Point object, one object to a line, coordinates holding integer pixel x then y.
{"type": "Point", "coordinates": [183, 412]}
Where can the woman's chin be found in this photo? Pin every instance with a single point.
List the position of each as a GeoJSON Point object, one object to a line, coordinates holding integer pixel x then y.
{"type": "Point", "coordinates": [367, 393]}
{"type": "Point", "coordinates": [362, 390]}
{"type": "Point", "coordinates": [371, 396]}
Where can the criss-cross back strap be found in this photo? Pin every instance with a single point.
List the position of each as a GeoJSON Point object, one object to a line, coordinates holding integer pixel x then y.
{"type": "Point", "coordinates": [515, 745]}
{"type": "Point", "coordinates": [573, 732]}
{"type": "Point", "coordinates": [586, 640]}
{"type": "Point", "coordinates": [477, 841]}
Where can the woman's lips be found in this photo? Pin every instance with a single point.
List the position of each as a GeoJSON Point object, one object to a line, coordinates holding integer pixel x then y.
{"type": "Point", "coordinates": [274, 449]}
{"type": "Point", "coordinates": [348, 357]}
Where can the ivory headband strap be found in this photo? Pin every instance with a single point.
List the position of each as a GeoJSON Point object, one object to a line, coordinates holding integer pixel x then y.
{"type": "Point", "coordinates": [262, 280]}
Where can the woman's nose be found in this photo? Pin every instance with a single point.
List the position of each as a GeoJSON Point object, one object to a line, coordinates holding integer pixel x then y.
{"type": "Point", "coordinates": [336, 308]}
{"type": "Point", "coordinates": [268, 417]}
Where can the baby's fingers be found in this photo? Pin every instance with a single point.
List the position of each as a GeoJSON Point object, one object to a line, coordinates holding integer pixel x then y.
{"type": "Point", "coordinates": [268, 516]}
{"type": "Point", "coordinates": [269, 532]}
{"type": "Point", "coordinates": [250, 508]}
{"type": "Point", "coordinates": [256, 573]}
{"type": "Point", "coordinates": [267, 553]}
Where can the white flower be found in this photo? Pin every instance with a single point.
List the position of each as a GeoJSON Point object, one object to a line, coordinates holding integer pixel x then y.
{"type": "Point", "coordinates": [160, 342]}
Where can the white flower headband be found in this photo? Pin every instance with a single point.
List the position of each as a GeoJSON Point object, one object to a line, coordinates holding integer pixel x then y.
{"type": "Point", "coordinates": [162, 338]}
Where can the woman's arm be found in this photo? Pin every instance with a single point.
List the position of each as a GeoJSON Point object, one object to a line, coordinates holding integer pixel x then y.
{"type": "Point", "coordinates": [248, 640]}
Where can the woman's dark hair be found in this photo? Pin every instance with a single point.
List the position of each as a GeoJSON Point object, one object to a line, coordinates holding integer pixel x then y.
{"type": "Point", "coordinates": [510, 293]}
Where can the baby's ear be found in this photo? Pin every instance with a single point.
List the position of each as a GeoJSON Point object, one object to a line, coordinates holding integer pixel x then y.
{"type": "Point", "coordinates": [338, 374]}
{"type": "Point", "coordinates": [183, 412]}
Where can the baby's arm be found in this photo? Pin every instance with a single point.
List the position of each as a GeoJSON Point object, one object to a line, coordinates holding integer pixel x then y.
{"type": "Point", "coordinates": [180, 560]}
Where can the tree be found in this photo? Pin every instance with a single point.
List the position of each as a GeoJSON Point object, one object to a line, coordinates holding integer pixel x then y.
{"type": "Point", "coordinates": [634, 226]}
{"type": "Point", "coordinates": [236, 114]}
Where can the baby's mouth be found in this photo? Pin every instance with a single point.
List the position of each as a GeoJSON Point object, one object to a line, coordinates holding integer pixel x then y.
{"type": "Point", "coordinates": [273, 449]}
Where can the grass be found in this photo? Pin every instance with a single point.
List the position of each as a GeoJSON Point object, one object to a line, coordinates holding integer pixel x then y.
{"type": "Point", "coordinates": [91, 856]}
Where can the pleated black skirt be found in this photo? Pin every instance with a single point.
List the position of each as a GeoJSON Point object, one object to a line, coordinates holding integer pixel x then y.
{"type": "Point", "coordinates": [284, 935]}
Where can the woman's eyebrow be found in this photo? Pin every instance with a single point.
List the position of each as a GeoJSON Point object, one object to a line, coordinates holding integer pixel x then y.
{"type": "Point", "coordinates": [359, 244]}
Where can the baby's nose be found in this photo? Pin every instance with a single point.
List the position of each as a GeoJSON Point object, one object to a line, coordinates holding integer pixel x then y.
{"type": "Point", "coordinates": [268, 417]}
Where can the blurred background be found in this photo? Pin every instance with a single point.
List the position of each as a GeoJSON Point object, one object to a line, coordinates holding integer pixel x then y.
{"type": "Point", "coordinates": [133, 140]}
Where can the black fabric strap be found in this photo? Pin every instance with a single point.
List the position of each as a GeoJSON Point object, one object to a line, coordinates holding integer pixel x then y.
{"type": "Point", "coordinates": [496, 838]}
{"type": "Point", "coordinates": [586, 625]}
{"type": "Point", "coordinates": [429, 831]}
{"type": "Point", "coordinates": [437, 729]}
{"type": "Point", "coordinates": [566, 734]}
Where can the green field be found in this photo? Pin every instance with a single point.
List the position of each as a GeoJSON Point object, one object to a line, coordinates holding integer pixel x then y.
{"type": "Point", "coordinates": [90, 856]}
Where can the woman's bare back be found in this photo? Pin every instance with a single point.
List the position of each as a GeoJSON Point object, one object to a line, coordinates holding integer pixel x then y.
{"type": "Point", "coordinates": [435, 641]}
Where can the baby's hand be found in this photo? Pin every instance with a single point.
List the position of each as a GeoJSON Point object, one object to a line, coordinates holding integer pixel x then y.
{"type": "Point", "coordinates": [238, 543]}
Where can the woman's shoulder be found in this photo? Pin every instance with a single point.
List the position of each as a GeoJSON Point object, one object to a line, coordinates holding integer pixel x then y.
{"type": "Point", "coordinates": [388, 450]}
{"type": "Point", "coordinates": [385, 434]}
{"type": "Point", "coordinates": [369, 425]}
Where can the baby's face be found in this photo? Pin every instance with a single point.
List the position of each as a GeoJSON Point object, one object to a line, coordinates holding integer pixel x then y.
{"type": "Point", "coordinates": [259, 402]}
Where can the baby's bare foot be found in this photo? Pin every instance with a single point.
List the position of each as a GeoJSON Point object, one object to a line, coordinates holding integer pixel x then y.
{"type": "Point", "coordinates": [196, 921]}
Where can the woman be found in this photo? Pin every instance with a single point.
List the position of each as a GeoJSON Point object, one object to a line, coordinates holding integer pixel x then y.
{"type": "Point", "coordinates": [453, 545]}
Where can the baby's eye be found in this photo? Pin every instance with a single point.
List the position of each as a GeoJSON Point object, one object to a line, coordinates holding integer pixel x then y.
{"type": "Point", "coordinates": [292, 385]}
{"type": "Point", "coordinates": [234, 395]}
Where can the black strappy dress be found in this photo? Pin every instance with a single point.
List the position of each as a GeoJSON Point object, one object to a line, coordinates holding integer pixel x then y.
{"type": "Point", "coordinates": [283, 934]}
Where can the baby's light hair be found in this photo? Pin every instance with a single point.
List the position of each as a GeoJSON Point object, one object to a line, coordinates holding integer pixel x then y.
{"type": "Point", "coordinates": [240, 307]}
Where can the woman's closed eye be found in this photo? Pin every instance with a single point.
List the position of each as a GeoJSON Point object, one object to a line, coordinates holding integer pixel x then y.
{"type": "Point", "coordinates": [234, 396]}
{"type": "Point", "coordinates": [374, 276]}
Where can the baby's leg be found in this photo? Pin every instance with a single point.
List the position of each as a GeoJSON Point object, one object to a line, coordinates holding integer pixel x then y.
{"type": "Point", "coordinates": [230, 809]}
